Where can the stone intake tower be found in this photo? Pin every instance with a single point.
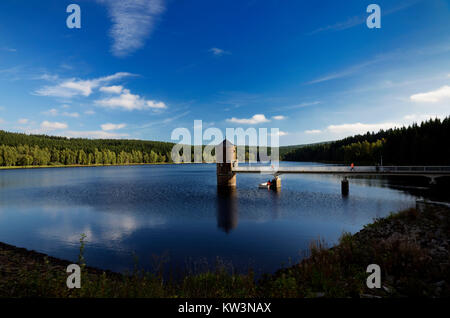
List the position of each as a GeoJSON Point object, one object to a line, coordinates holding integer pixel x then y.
{"type": "Point", "coordinates": [226, 160]}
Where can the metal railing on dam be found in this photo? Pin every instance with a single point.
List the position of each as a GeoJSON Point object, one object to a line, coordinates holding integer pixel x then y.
{"type": "Point", "coordinates": [426, 171]}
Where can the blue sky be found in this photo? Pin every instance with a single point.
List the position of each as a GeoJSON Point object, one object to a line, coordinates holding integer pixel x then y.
{"type": "Point", "coordinates": [139, 69]}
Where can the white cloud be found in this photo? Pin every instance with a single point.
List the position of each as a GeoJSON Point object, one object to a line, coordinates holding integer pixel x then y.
{"type": "Point", "coordinates": [76, 87]}
{"type": "Point", "coordinates": [23, 121]}
{"type": "Point", "coordinates": [432, 96]}
{"type": "Point", "coordinates": [345, 130]}
{"type": "Point", "coordinates": [218, 52]}
{"type": "Point", "coordinates": [89, 112]}
{"type": "Point", "coordinates": [132, 23]}
{"type": "Point", "coordinates": [115, 89]}
{"type": "Point", "coordinates": [313, 131]}
{"type": "Point", "coordinates": [81, 87]}
{"type": "Point", "coordinates": [359, 128]}
{"type": "Point", "coordinates": [279, 117]}
{"type": "Point", "coordinates": [51, 112]}
{"type": "Point", "coordinates": [154, 104]}
{"type": "Point", "coordinates": [74, 114]}
{"type": "Point", "coordinates": [418, 118]}
{"type": "Point", "coordinates": [55, 112]}
{"type": "Point", "coordinates": [256, 119]}
{"type": "Point", "coordinates": [130, 101]}
{"type": "Point", "coordinates": [94, 134]}
{"type": "Point", "coordinates": [110, 126]}
{"type": "Point", "coordinates": [47, 125]}
{"type": "Point", "coordinates": [280, 133]}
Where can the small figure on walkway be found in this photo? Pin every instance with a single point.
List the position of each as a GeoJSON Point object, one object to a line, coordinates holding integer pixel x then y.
{"type": "Point", "coordinates": [352, 167]}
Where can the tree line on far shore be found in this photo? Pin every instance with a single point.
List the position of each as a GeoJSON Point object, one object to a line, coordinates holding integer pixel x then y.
{"type": "Point", "coordinates": [424, 144]}
{"type": "Point", "coordinates": [40, 150]}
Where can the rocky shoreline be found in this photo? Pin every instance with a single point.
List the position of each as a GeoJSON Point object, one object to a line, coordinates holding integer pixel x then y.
{"type": "Point", "coordinates": [425, 233]}
{"type": "Point", "coordinates": [411, 247]}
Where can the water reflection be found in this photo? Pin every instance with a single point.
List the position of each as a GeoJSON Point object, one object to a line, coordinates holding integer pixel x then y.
{"type": "Point", "coordinates": [276, 202]}
{"type": "Point", "coordinates": [227, 211]}
{"type": "Point", "coordinates": [123, 212]}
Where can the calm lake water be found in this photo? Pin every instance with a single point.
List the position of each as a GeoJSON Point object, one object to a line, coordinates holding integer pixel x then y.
{"type": "Point", "coordinates": [176, 211]}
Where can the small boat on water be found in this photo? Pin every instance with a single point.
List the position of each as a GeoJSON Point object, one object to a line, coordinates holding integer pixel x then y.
{"type": "Point", "coordinates": [264, 185]}
{"type": "Point", "coordinates": [271, 184]}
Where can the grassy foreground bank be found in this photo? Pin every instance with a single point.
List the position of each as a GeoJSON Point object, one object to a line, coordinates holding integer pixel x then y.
{"type": "Point", "coordinates": [411, 247]}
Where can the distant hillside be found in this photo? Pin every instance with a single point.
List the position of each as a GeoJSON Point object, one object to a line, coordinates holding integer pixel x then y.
{"type": "Point", "coordinates": [424, 144]}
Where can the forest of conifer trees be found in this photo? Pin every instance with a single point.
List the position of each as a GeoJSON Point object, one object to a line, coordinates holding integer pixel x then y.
{"type": "Point", "coordinates": [40, 150]}
{"type": "Point", "coordinates": [424, 144]}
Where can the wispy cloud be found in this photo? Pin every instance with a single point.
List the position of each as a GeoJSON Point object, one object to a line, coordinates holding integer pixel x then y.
{"type": "Point", "coordinates": [77, 87]}
{"type": "Point", "coordinates": [9, 49]}
{"type": "Point", "coordinates": [13, 73]}
{"type": "Point", "coordinates": [132, 23]}
{"type": "Point", "coordinates": [173, 118]}
{"type": "Point", "coordinates": [301, 105]}
{"type": "Point", "coordinates": [343, 25]}
{"type": "Point", "coordinates": [435, 96]}
{"type": "Point", "coordinates": [218, 52]}
{"type": "Point", "coordinates": [56, 112]}
{"type": "Point", "coordinates": [361, 19]}
{"type": "Point", "coordinates": [348, 71]}
{"type": "Point", "coordinates": [23, 121]}
{"type": "Point", "coordinates": [398, 54]}
{"type": "Point", "coordinates": [236, 99]}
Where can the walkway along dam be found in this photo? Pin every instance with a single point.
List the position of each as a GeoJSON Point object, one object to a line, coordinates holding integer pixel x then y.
{"type": "Point", "coordinates": [229, 168]}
